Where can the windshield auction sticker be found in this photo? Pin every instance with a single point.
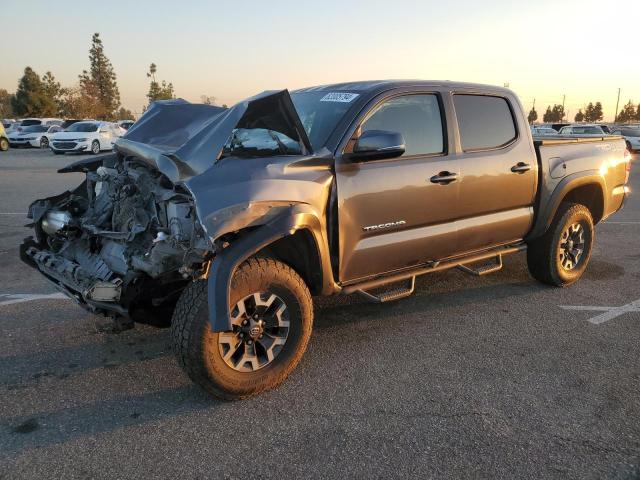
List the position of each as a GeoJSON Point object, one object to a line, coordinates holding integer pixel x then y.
{"type": "Point", "coordinates": [342, 97]}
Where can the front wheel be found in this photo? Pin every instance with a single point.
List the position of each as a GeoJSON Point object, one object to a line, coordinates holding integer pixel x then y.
{"type": "Point", "coordinates": [95, 147]}
{"type": "Point", "coordinates": [4, 144]}
{"type": "Point", "coordinates": [271, 314]}
{"type": "Point", "coordinates": [561, 255]}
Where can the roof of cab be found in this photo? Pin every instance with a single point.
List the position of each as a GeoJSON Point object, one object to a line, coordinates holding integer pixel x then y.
{"type": "Point", "coordinates": [376, 86]}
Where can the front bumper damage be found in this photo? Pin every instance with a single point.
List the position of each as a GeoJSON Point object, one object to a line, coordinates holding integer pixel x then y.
{"type": "Point", "coordinates": [95, 295]}
{"type": "Point", "coordinates": [111, 266]}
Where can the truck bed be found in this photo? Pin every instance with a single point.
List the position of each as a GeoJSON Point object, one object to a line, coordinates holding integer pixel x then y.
{"type": "Point", "coordinates": [563, 160]}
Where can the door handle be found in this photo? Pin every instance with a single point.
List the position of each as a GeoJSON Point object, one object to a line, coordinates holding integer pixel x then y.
{"type": "Point", "coordinates": [521, 167]}
{"type": "Point", "coordinates": [444, 178]}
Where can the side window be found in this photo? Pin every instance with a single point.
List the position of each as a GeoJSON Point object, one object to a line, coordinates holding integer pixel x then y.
{"type": "Point", "coordinates": [484, 121]}
{"type": "Point", "coordinates": [416, 117]}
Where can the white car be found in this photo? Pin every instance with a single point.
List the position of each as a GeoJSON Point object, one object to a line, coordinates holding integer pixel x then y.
{"type": "Point", "coordinates": [631, 135]}
{"type": "Point", "coordinates": [86, 137]}
{"type": "Point", "coordinates": [30, 122]}
{"type": "Point", "coordinates": [542, 130]}
{"type": "Point", "coordinates": [33, 136]}
{"type": "Point", "coordinates": [582, 130]}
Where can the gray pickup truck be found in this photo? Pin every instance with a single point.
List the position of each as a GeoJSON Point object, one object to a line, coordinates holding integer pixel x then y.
{"type": "Point", "coordinates": [225, 222]}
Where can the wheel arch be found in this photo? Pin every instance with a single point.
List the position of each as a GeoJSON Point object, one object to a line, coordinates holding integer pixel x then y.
{"type": "Point", "coordinates": [295, 237]}
{"type": "Point", "coordinates": [587, 189]}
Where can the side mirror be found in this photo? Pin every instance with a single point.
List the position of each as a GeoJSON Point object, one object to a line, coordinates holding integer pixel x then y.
{"type": "Point", "coordinates": [378, 145]}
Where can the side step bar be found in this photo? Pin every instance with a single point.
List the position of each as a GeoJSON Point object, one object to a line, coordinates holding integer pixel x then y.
{"type": "Point", "coordinates": [390, 295]}
{"type": "Point", "coordinates": [483, 269]}
{"type": "Point", "coordinates": [435, 267]}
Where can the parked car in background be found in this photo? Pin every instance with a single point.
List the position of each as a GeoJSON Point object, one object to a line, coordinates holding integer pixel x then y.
{"type": "Point", "coordinates": [631, 136]}
{"type": "Point", "coordinates": [37, 136]}
{"type": "Point", "coordinates": [4, 141]}
{"type": "Point", "coordinates": [582, 130]}
{"type": "Point", "coordinates": [30, 122]}
{"type": "Point", "coordinates": [67, 123]}
{"type": "Point", "coordinates": [7, 122]}
{"type": "Point", "coordinates": [126, 124]}
{"type": "Point", "coordinates": [13, 127]}
{"type": "Point", "coordinates": [86, 136]}
{"type": "Point", "coordinates": [542, 130]}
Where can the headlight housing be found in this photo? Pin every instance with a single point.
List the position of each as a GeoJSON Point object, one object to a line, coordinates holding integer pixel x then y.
{"type": "Point", "coordinates": [82, 139]}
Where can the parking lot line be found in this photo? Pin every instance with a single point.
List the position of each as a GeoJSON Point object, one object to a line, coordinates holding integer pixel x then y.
{"type": "Point", "coordinates": [28, 297]}
{"type": "Point", "coordinates": [609, 312]}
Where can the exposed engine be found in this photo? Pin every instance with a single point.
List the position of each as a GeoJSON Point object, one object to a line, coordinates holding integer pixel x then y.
{"type": "Point", "coordinates": [125, 239]}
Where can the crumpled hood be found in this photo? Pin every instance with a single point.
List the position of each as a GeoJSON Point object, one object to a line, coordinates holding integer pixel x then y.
{"type": "Point", "coordinates": [183, 140]}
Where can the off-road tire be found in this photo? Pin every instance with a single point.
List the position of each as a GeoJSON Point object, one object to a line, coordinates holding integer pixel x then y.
{"type": "Point", "coordinates": [196, 346]}
{"type": "Point", "coordinates": [543, 259]}
{"type": "Point", "coordinates": [93, 147]}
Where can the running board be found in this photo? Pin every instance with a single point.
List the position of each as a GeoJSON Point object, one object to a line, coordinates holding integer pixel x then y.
{"type": "Point", "coordinates": [430, 268]}
{"type": "Point", "coordinates": [390, 295]}
{"type": "Point", "coordinates": [483, 269]}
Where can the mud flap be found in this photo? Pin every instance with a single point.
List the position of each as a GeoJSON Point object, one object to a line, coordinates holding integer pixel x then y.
{"type": "Point", "coordinates": [226, 262]}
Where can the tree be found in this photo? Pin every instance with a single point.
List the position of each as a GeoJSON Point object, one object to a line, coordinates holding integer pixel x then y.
{"type": "Point", "coordinates": [75, 102]}
{"type": "Point", "coordinates": [638, 112]}
{"type": "Point", "coordinates": [579, 116]}
{"type": "Point", "coordinates": [589, 112]}
{"type": "Point", "coordinates": [31, 98]}
{"type": "Point", "coordinates": [597, 113]}
{"type": "Point", "coordinates": [553, 115]}
{"type": "Point", "coordinates": [627, 114]}
{"type": "Point", "coordinates": [533, 116]}
{"type": "Point", "coordinates": [53, 90]}
{"type": "Point", "coordinates": [207, 100]}
{"type": "Point", "coordinates": [6, 109]}
{"type": "Point", "coordinates": [99, 83]}
{"type": "Point", "coordinates": [124, 114]}
{"type": "Point", "coordinates": [158, 91]}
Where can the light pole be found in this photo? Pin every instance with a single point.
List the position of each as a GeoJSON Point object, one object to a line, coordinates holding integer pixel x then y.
{"type": "Point", "coordinates": [615, 116]}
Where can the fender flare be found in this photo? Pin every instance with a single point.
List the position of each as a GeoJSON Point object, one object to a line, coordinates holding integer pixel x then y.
{"type": "Point", "coordinates": [226, 261]}
{"type": "Point", "coordinates": [548, 208]}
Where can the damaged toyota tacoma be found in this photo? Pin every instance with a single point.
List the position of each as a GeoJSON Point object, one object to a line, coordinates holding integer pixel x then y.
{"type": "Point", "coordinates": [225, 222]}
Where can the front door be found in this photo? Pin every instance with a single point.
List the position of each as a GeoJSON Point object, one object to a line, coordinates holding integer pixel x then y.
{"type": "Point", "coordinates": [395, 213]}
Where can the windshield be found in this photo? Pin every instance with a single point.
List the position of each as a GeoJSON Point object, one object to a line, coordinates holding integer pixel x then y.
{"type": "Point", "coordinates": [83, 127]}
{"type": "Point", "coordinates": [320, 113]}
{"type": "Point", "coordinates": [631, 132]}
{"type": "Point", "coordinates": [588, 130]}
{"type": "Point", "coordinates": [35, 129]}
{"type": "Point", "coordinates": [26, 123]}
{"type": "Point", "coordinates": [259, 142]}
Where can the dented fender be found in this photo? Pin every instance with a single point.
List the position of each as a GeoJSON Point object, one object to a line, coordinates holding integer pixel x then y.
{"type": "Point", "coordinates": [288, 222]}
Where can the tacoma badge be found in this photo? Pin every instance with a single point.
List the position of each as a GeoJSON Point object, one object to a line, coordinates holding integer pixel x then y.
{"type": "Point", "coordinates": [383, 225]}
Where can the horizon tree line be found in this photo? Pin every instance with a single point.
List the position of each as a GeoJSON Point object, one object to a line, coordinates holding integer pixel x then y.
{"type": "Point", "coordinates": [96, 95]}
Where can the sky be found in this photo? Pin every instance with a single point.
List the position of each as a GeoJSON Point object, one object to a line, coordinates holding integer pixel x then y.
{"type": "Point", "coordinates": [543, 49]}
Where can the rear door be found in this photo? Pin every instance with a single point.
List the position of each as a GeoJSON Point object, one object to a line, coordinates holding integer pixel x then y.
{"type": "Point", "coordinates": [498, 171]}
{"type": "Point", "coordinates": [391, 214]}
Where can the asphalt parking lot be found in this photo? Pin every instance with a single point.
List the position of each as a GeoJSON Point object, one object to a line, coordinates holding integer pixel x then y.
{"type": "Point", "coordinates": [497, 377]}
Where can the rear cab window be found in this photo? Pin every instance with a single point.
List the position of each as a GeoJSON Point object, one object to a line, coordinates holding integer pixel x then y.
{"type": "Point", "coordinates": [417, 117]}
{"type": "Point", "coordinates": [485, 122]}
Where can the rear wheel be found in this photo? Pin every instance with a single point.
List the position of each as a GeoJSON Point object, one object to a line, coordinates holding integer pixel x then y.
{"type": "Point", "coordinates": [44, 142]}
{"type": "Point", "coordinates": [271, 315]}
{"type": "Point", "coordinates": [561, 255]}
{"type": "Point", "coordinates": [4, 144]}
{"type": "Point", "coordinates": [95, 147]}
